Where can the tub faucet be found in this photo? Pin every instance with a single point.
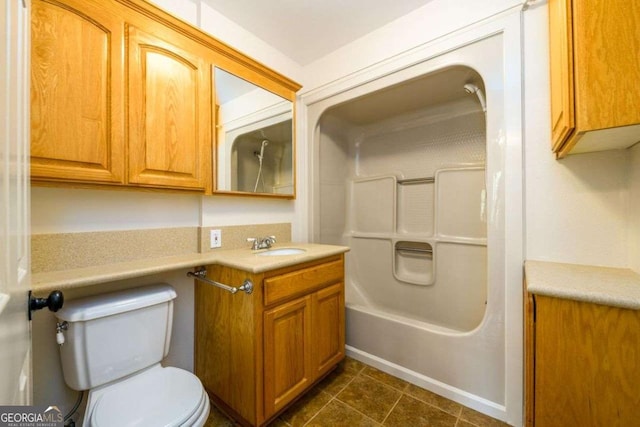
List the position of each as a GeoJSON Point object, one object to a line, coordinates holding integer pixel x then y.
{"type": "Point", "coordinates": [261, 242]}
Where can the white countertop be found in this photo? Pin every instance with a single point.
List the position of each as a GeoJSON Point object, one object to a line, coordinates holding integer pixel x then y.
{"type": "Point", "coordinates": [617, 287]}
{"type": "Point", "coordinates": [243, 259]}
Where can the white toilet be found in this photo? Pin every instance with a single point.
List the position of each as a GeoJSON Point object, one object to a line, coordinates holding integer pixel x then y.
{"type": "Point", "coordinates": [113, 347]}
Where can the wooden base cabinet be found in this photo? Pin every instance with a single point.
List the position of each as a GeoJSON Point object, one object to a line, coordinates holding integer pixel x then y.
{"type": "Point", "coordinates": [582, 364]}
{"type": "Point", "coordinates": [257, 353]}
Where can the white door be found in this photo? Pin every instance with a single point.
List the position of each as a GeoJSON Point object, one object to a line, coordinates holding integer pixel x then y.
{"type": "Point", "coordinates": [15, 333]}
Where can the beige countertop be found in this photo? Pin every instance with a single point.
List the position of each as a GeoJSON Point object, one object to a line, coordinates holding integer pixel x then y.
{"type": "Point", "coordinates": [617, 287]}
{"type": "Point", "coordinates": [243, 259]}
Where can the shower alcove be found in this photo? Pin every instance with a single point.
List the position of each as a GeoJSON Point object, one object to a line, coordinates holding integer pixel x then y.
{"type": "Point", "coordinates": [409, 173]}
{"type": "Point", "coordinates": [415, 211]}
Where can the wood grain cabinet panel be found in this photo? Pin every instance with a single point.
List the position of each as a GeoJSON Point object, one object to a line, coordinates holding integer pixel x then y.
{"type": "Point", "coordinates": [328, 327]}
{"type": "Point", "coordinates": [77, 88]}
{"type": "Point", "coordinates": [583, 364]}
{"type": "Point", "coordinates": [595, 68]}
{"type": "Point", "coordinates": [169, 111]}
{"type": "Point", "coordinates": [255, 358]}
{"type": "Point", "coordinates": [561, 79]}
{"type": "Point", "coordinates": [287, 353]}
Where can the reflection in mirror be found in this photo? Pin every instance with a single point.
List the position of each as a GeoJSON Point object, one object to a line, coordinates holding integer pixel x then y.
{"type": "Point", "coordinates": [254, 138]}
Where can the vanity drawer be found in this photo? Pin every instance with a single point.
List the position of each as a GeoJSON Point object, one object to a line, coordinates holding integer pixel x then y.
{"type": "Point", "coordinates": [300, 282]}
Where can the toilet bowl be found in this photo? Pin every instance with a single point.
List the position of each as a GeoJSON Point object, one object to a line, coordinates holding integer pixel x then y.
{"type": "Point", "coordinates": [113, 347]}
{"type": "Point", "coordinates": [156, 397]}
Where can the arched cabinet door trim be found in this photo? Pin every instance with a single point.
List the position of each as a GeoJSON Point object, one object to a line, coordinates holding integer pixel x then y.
{"type": "Point", "coordinates": [169, 105]}
{"type": "Point", "coordinates": [77, 84]}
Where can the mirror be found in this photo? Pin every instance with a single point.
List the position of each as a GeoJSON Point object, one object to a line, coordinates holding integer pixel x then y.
{"type": "Point", "coordinates": [254, 134]}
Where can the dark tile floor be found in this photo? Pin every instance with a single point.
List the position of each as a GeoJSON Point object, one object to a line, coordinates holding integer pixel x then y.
{"type": "Point", "coordinates": [356, 394]}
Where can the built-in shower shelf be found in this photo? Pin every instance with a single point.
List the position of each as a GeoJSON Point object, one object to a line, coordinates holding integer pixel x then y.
{"type": "Point", "coordinates": [413, 262]}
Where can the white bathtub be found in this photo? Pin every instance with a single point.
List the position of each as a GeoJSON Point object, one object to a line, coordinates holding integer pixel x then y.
{"type": "Point", "coordinates": [465, 367]}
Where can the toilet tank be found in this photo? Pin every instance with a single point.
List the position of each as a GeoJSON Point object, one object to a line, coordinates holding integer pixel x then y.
{"type": "Point", "coordinates": [112, 335]}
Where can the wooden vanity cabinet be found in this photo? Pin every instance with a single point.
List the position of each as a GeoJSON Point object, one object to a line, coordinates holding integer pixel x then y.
{"type": "Point", "coordinates": [582, 363]}
{"type": "Point", "coordinates": [594, 64]}
{"type": "Point", "coordinates": [256, 354]}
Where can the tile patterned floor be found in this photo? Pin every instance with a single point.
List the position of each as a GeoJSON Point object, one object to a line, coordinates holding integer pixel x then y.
{"type": "Point", "coordinates": [356, 394]}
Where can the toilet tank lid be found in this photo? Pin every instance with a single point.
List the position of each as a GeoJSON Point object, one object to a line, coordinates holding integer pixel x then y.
{"type": "Point", "coordinates": [103, 305]}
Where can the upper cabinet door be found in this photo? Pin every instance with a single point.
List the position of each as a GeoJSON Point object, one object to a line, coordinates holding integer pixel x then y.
{"type": "Point", "coordinates": [169, 111]}
{"type": "Point", "coordinates": [76, 92]}
{"type": "Point", "coordinates": [561, 78]}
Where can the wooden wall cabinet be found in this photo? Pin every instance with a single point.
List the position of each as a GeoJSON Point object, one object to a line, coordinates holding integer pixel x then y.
{"type": "Point", "coordinates": [122, 95]}
{"type": "Point", "coordinates": [255, 354]}
{"type": "Point", "coordinates": [595, 68]}
{"type": "Point", "coordinates": [77, 93]}
{"type": "Point", "coordinates": [169, 110]}
{"type": "Point", "coordinates": [582, 363]}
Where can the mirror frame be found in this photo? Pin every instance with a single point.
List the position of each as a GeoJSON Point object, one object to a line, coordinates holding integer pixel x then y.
{"type": "Point", "coordinates": [261, 77]}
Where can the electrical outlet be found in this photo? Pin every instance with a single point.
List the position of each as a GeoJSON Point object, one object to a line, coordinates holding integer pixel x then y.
{"type": "Point", "coordinates": [216, 238]}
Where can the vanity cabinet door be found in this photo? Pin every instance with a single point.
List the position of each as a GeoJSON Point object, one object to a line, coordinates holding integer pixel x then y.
{"type": "Point", "coordinates": [77, 84]}
{"type": "Point", "coordinates": [287, 353]}
{"type": "Point", "coordinates": [328, 328]}
{"type": "Point", "coordinates": [169, 111]}
{"type": "Point", "coordinates": [582, 363]}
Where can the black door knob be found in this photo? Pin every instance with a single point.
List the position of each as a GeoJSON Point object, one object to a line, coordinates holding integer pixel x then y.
{"type": "Point", "coordinates": [54, 302]}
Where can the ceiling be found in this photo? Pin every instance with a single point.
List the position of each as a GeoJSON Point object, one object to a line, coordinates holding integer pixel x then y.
{"type": "Point", "coordinates": [306, 30]}
{"type": "Point", "coordinates": [433, 89]}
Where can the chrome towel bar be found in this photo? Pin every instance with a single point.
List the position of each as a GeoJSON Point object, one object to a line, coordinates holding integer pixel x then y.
{"type": "Point", "coordinates": [201, 274]}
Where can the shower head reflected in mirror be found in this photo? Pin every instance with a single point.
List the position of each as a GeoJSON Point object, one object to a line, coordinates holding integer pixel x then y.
{"type": "Point", "coordinates": [471, 89]}
{"type": "Point", "coordinates": [260, 156]}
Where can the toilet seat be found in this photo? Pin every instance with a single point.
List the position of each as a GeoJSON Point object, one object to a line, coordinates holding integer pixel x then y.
{"type": "Point", "coordinates": [156, 397]}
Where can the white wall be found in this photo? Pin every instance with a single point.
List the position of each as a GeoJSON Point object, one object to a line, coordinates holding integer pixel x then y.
{"type": "Point", "coordinates": [63, 210]}
{"type": "Point", "coordinates": [434, 20]}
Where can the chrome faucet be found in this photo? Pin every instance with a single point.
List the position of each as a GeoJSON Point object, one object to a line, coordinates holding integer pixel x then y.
{"type": "Point", "coordinates": [261, 242]}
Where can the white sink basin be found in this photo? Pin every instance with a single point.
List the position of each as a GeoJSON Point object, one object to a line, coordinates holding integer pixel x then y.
{"type": "Point", "coordinates": [281, 251]}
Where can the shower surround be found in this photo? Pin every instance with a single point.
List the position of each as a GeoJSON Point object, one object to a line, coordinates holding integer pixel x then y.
{"type": "Point", "coordinates": [410, 172]}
